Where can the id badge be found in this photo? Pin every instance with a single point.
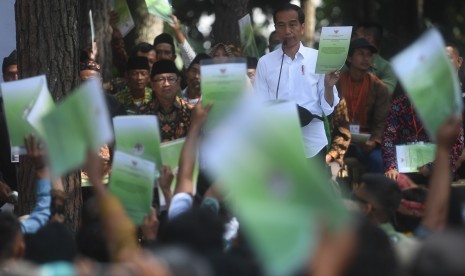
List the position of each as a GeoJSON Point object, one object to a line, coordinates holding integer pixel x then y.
{"type": "Point", "coordinates": [14, 158]}
{"type": "Point", "coordinates": [354, 128]}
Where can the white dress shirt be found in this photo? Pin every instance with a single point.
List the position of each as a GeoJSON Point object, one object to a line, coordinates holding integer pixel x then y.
{"type": "Point", "coordinates": [299, 84]}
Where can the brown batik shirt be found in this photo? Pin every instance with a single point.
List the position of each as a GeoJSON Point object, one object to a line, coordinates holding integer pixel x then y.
{"type": "Point", "coordinates": [175, 123]}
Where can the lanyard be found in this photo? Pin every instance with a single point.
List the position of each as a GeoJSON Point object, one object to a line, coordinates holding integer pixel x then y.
{"type": "Point", "coordinates": [355, 104]}
{"type": "Point", "coordinates": [417, 131]}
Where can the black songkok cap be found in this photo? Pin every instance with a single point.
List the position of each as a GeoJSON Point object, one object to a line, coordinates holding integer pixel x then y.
{"type": "Point", "coordinates": [9, 60]}
{"type": "Point", "coordinates": [137, 63]}
{"type": "Point", "coordinates": [252, 62]}
{"type": "Point", "coordinates": [163, 67]}
{"type": "Point", "coordinates": [164, 38]}
{"type": "Point", "coordinates": [198, 58]}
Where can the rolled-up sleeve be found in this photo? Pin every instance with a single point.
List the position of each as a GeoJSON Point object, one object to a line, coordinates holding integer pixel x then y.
{"type": "Point", "coordinates": [41, 213]}
{"type": "Point", "coordinates": [325, 106]}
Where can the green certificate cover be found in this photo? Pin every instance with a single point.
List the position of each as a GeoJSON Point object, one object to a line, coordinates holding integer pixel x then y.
{"type": "Point", "coordinates": [170, 154]}
{"type": "Point", "coordinates": [249, 46]}
{"type": "Point", "coordinates": [132, 182]}
{"type": "Point", "coordinates": [410, 157]}
{"type": "Point", "coordinates": [160, 8]}
{"type": "Point", "coordinates": [426, 73]}
{"type": "Point", "coordinates": [279, 198]}
{"type": "Point", "coordinates": [222, 85]}
{"type": "Point", "coordinates": [138, 135]}
{"type": "Point", "coordinates": [125, 22]}
{"type": "Point", "coordinates": [25, 102]}
{"type": "Point", "coordinates": [333, 49]}
{"type": "Point", "coordinates": [78, 123]}
{"type": "Point", "coordinates": [171, 151]}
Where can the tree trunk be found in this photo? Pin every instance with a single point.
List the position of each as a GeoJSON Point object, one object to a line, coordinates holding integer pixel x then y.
{"type": "Point", "coordinates": [226, 27]}
{"type": "Point", "coordinates": [147, 27]}
{"type": "Point", "coordinates": [310, 22]}
{"type": "Point", "coordinates": [47, 40]}
{"type": "Point", "coordinates": [101, 16]}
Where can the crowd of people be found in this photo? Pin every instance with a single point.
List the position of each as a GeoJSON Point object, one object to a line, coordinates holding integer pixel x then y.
{"type": "Point", "coordinates": [401, 223]}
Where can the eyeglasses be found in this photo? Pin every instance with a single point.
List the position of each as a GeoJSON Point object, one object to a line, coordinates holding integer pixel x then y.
{"type": "Point", "coordinates": [170, 80]}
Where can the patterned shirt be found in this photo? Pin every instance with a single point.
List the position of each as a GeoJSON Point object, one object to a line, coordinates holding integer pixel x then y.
{"type": "Point", "coordinates": [404, 126]}
{"type": "Point", "coordinates": [340, 132]}
{"type": "Point", "coordinates": [134, 107]}
{"type": "Point", "coordinates": [175, 123]}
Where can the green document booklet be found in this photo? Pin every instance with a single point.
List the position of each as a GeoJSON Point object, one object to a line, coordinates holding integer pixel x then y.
{"type": "Point", "coordinates": [78, 123]}
{"type": "Point", "coordinates": [138, 135]}
{"type": "Point", "coordinates": [280, 200]}
{"type": "Point", "coordinates": [137, 140]}
{"type": "Point", "coordinates": [222, 85]}
{"type": "Point", "coordinates": [160, 8]}
{"type": "Point", "coordinates": [132, 182]}
{"type": "Point", "coordinates": [410, 157]}
{"type": "Point", "coordinates": [426, 73]}
{"type": "Point", "coordinates": [333, 49]}
{"type": "Point", "coordinates": [249, 46]}
{"type": "Point", "coordinates": [170, 153]}
{"type": "Point", "coordinates": [125, 22]}
{"type": "Point", "coordinates": [25, 102]}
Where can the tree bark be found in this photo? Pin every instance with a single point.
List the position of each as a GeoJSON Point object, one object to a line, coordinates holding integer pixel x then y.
{"type": "Point", "coordinates": [310, 22]}
{"type": "Point", "coordinates": [101, 16]}
{"type": "Point", "coordinates": [47, 40]}
{"type": "Point", "coordinates": [226, 28]}
{"type": "Point", "coordinates": [147, 27]}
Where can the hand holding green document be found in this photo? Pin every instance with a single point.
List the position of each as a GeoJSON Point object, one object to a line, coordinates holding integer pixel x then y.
{"type": "Point", "coordinates": [280, 199]}
{"type": "Point", "coordinates": [249, 46]}
{"type": "Point", "coordinates": [222, 85]}
{"type": "Point", "coordinates": [426, 73]}
{"type": "Point", "coordinates": [138, 135]}
{"type": "Point", "coordinates": [78, 123]}
{"type": "Point", "coordinates": [132, 181]}
{"type": "Point", "coordinates": [161, 8]}
{"type": "Point", "coordinates": [170, 154]}
{"type": "Point", "coordinates": [25, 102]}
{"type": "Point", "coordinates": [125, 22]}
{"type": "Point", "coordinates": [136, 163]}
{"type": "Point", "coordinates": [410, 157]}
{"type": "Point", "coordinates": [333, 49]}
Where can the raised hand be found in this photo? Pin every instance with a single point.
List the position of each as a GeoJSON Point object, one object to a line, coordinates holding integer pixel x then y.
{"type": "Point", "coordinates": [200, 114]}
{"type": "Point", "coordinates": [331, 79]}
{"type": "Point", "coordinates": [150, 226]}
{"type": "Point", "coordinates": [36, 155]}
{"type": "Point", "coordinates": [166, 178]}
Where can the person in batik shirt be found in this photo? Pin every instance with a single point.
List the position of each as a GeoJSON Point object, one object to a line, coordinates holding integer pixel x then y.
{"type": "Point", "coordinates": [174, 114]}
{"type": "Point", "coordinates": [137, 94]}
{"type": "Point", "coordinates": [403, 126]}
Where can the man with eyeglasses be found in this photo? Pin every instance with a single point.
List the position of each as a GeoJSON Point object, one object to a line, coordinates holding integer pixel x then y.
{"type": "Point", "coordinates": [137, 94]}
{"type": "Point", "coordinates": [174, 114]}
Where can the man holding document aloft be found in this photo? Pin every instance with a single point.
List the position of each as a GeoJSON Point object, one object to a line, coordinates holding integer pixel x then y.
{"type": "Point", "coordinates": [289, 74]}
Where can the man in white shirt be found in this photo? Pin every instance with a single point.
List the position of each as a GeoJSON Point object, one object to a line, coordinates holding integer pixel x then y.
{"type": "Point", "coordinates": [296, 80]}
